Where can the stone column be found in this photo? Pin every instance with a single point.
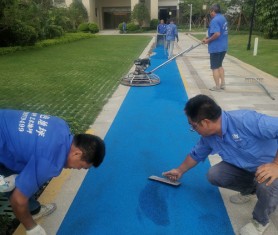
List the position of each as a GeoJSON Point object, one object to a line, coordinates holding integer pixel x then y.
{"type": "Point", "coordinates": [154, 9]}
{"type": "Point", "coordinates": [92, 13]}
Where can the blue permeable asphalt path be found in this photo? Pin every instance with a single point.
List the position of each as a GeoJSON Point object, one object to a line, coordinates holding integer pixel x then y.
{"type": "Point", "coordinates": [149, 135]}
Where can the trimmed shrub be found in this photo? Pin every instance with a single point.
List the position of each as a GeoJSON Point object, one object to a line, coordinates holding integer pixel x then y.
{"type": "Point", "coordinates": [54, 31]}
{"type": "Point", "coordinates": [18, 34]}
{"type": "Point", "coordinates": [93, 28]}
{"type": "Point", "coordinates": [154, 23]}
{"type": "Point", "coordinates": [83, 27]}
{"type": "Point", "coordinates": [131, 27]}
{"type": "Point", "coordinates": [120, 27]}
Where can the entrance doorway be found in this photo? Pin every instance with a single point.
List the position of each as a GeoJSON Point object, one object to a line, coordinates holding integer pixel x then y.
{"type": "Point", "coordinates": [163, 15]}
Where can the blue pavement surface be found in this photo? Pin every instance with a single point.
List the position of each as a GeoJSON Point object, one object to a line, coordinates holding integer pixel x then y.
{"type": "Point", "coordinates": [149, 135]}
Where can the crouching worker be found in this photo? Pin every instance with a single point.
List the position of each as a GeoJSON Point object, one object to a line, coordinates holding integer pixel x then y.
{"type": "Point", "coordinates": [34, 148]}
{"type": "Point", "coordinates": [247, 142]}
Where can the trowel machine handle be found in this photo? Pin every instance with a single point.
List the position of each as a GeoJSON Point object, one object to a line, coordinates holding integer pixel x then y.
{"type": "Point", "coordinates": [181, 53]}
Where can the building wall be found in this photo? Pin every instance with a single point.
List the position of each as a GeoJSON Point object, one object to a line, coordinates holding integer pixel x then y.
{"type": "Point", "coordinates": [108, 13]}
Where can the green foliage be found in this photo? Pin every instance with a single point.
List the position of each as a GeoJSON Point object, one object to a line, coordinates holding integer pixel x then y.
{"type": "Point", "coordinates": [18, 34]}
{"type": "Point", "coordinates": [141, 14]}
{"type": "Point", "coordinates": [83, 27]}
{"type": "Point", "coordinates": [78, 13]}
{"type": "Point", "coordinates": [120, 27]}
{"type": "Point", "coordinates": [25, 34]}
{"type": "Point", "coordinates": [93, 28]}
{"type": "Point", "coordinates": [69, 37]}
{"type": "Point", "coordinates": [74, 85]}
{"type": "Point", "coordinates": [60, 17]}
{"type": "Point", "coordinates": [154, 23]}
{"type": "Point", "coordinates": [267, 14]}
{"type": "Point", "coordinates": [267, 58]}
{"type": "Point", "coordinates": [54, 31]}
{"type": "Point", "coordinates": [131, 27]}
{"type": "Point", "coordinates": [88, 27]}
{"type": "Point", "coordinates": [25, 22]}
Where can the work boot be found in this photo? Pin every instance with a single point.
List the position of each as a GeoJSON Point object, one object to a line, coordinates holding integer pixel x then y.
{"type": "Point", "coordinates": [45, 210]}
{"type": "Point", "coordinates": [241, 199]}
{"type": "Point", "coordinates": [253, 228]}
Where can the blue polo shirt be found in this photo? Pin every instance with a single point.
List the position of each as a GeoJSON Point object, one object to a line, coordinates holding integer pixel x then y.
{"type": "Point", "coordinates": [218, 24]}
{"type": "Point", "coordinates": [171, 32]}
{"type": "Point", "coordinates": [33, 145]}
{"type": "Point", "coordinates": [161, 28]}
{"type": "Point", "coordinates": [249, 139]}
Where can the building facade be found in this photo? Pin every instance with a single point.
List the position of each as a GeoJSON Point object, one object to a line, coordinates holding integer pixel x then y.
{"type": "Point", "coordinates": [108, 14]}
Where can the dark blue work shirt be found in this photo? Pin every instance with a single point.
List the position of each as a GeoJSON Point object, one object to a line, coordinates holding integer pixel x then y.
{"type": "Point", "coordinates": [35, 146]}
{"type": "Point", "coordinates": [249, 139]}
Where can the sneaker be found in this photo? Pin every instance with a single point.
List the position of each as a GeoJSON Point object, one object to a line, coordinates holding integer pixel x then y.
{"type": "Point", "coordinates": [241, 199]}
{"type": "Point", "coordinates": [253, 228]}
{"type": "Point", "coordinates": [215, 88]}
{"type": "Point", "coordinates": [7, 184]}
{"type": "Point", "coordinates": [45, 210]}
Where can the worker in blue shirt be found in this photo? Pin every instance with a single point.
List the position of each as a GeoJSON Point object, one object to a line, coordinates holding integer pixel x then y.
{"type": "Point", "coordinates": [171, 35]}
{"type": "Point", "coordinates": [161, 28]}
{"type": "Point", "coordinates": [161, 33]}
{"type": "Point", "coordinates": [36, 148]}
{"type": "Point", "coordinates": [217, 41]}
{"type": "Point", "coordinates": [247, 142]}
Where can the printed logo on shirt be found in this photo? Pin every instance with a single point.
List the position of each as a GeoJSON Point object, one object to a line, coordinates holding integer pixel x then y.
{"type": "Point", "coordinates": [236, 137]}
{"type": "Point", "coordinates": [30, 121]}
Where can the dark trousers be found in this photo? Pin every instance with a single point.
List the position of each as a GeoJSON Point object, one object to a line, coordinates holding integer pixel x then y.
{"type": "Point", "coordinates": [231, 177]}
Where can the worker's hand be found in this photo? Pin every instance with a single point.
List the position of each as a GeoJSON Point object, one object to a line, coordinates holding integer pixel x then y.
{"type": "Point", "coordinates": [37, 230]}
{"type": "Point", "coordinates": [205, 41]}
{"type": "Point", "coordinates": [267, 171]}
{"type": "Point", "coordinates": [173, 175]}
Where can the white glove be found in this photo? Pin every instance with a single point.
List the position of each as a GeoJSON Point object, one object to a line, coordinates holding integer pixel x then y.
{"type": "Point", "coordinates": [7, 184]}
{"type": "Point", "coordinates": [37, 230]}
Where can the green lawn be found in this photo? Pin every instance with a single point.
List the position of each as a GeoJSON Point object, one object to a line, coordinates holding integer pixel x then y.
{"type": "Point", "coordinates": [72, 81]}
{"type": "Point", "coordinates": [267, 56]}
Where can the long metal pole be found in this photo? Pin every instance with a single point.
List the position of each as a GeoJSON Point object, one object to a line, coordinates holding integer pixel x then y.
{"type": "Point", "coordinates": [167, 61]}
{"type": "Point", "coordinates": [251, 25]}
{"type": "Point", "coordinates": [190, 20]}
{"type": "Point", "coordinates": [178, 12]}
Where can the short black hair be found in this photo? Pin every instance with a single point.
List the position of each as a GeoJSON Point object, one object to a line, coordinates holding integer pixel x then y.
{"type": "Point", "coordinates": [216, 8]}
{"type": "Point", "coordinates": [202, 107]}
{"type": "Point", "coordinates": [92, 147]}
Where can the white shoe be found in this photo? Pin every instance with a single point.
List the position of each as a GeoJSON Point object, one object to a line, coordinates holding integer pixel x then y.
{"type": "Point", "coordinates": [241, 199]}
{"type": "Point", "coordinates": [45, 210]}
{"type": "Point", "coordinates": [223, 86]}
{"type": "Point", "coordinates": [215, 88]}
{"type": "Point", "coordinates": [7, 184]}
{"type": "Point", "coordinates": [253, 228]}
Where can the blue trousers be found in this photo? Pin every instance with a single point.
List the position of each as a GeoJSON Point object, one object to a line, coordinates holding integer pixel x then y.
{"type": "Point", "coordinates": [231, 177]}
{"type": "Point", "coordinates": [34, 205]}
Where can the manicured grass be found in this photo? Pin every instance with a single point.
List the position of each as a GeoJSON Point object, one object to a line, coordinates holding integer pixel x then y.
{"type": "Point", "coordinates": [267, 56]}
{"type": "Point", "coordinates": [72, 81]}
